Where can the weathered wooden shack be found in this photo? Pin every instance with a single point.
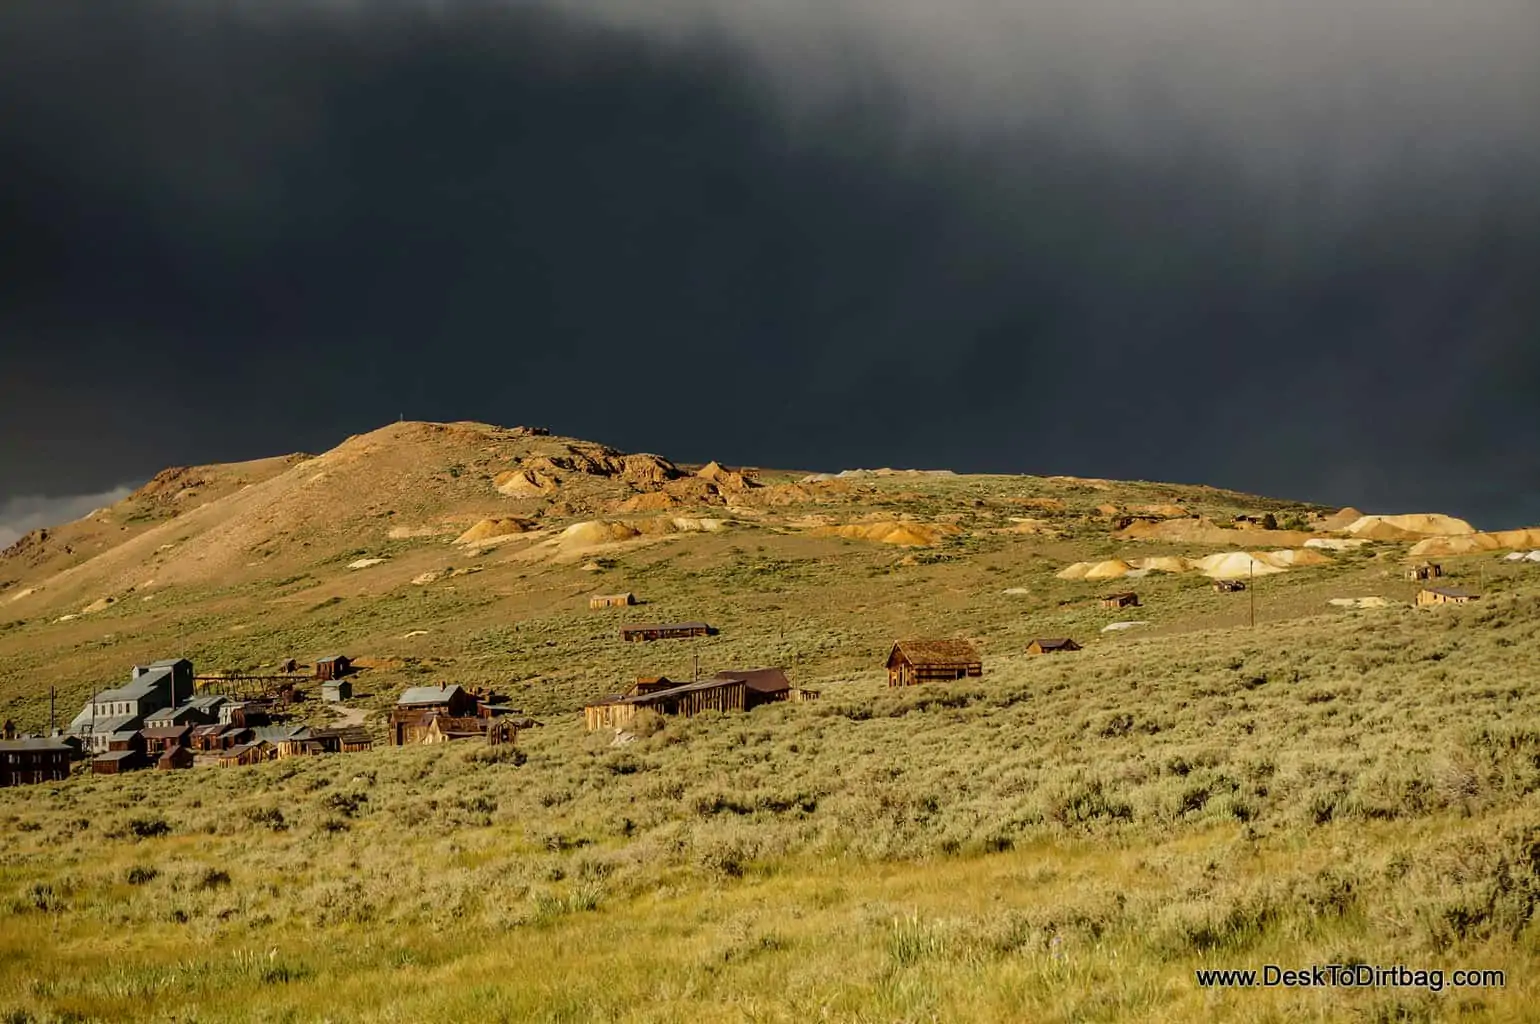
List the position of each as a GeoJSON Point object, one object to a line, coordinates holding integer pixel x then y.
{"type": "Point", "coordinates": [1445, 595]}
{"type": "Point", "coordinates": [665, 631]}
{"type": "Point", "coordinates": [354, 739]}
{"type": "Point", "coordinates": [333, 666]}
{"type": "Point", "coordinates": [254, 752]}
{"type": "Point", "coordinates": [175, 758]}
{"type": "Point", "coordinates": [766, 686]}
{"type": "Point", "coordinates": [684, 699]}
{"type": "Point", "coordinates": [335, 691]}
{"type": "Point", "coordinates": [611, 601]}
{"type": "Point", "coordinates": [1127, 599]}
{"type": "Point", "coordinates": [1228, 586]}
{"type": "Point", "coordinates": [157, 741]}
{"type": "Point", "coordinates": [911, 662]}
{"type": "Point", "coordinates": [1052, 646]}
{"type": "Point", "coordinates": [31, 760]}
{"type": "Point", "coordinates": [115, 761]}
{"type": "Point", "coordinates": [1425, 571]}
{"type": "Point", "coordinates": [420, 706]}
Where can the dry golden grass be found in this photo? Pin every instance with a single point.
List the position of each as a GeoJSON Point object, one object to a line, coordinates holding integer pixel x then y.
{"type": "Point", "coordinates": [1066, 839]}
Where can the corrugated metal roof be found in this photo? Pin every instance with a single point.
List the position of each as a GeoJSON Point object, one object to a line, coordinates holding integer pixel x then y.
{"type": "Point", "coordinates": [760, 680]}
{"type": "Point", "coordinates": [1454, 592]}
{"type": "Point", "coordinates": [116, 755]}
{"type": "Point", "coordinates": [117, 723]}
{"type": "Point", "coordinates": [658, 695]}
{"type": "Point", "coordinates": [1053, 643]}
{"type": "Point", "coordinates": [937, 652]}
{"type": "Point", "coordinates": [428, 694]}
{"type": "Point", "coordinates": [36, 743]}
{"type": "Point", "coordinates": [331, 658]}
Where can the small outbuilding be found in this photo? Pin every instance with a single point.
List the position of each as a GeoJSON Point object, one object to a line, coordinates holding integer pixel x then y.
{"type": "Point", "coordinates": [175, 758]}
{"type": "Point", "coordinates": [1445, 595]}
{"type": "Point", "coordinates": [911, 662]}
{"type": "Point", "coordinates": [335, 691]}
{"type": "Point", "coordinates": [1052, 646]}
{"type": "Point", "coordinates": [665, 631]}
{"type": "Point", "coordinates": [1425, 571]}
{"type": "Point", "coordinates": [159, 740]}
{"type": "Point", "coordinates": [1127, 599]}
{"type": "Point", "coordinates": [247, 753]}
{"type": "Point", "coordinates": [611, 601]}
{"type": "Point", "coordinates": [333, 666]}
{"type": "Point", "coordinates": [115, 761]}
{"type": "Point", "coordinates": [1228, 586]}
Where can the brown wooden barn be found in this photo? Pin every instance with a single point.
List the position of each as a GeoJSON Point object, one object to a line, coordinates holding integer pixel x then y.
{"type": "Point", "coordinates": [1127, 599]}
{"type": "Point", "coordinates": [665, 631]}
{"type": "Point", "coordinates": [1052, 646]}
{"type": "Point", "coordinates": [1425, 571]}
{"type": "Point", "coordinates": [158, 741]}
{"type": "Point", "coordinates": [175, 758]}
{"type": "Point", "coordinates": [1445, 595]}
{"type": "Point", "coordinates": [116, 761]}
{"type": "Point", "coordinates": [333, 666]}
{"type": "Point", "coordinates": [926, 661]}
{"type": "Point", "coordinates": [33, 759]}
{"type": "Point", "coordinates": [1228, 586]}
{"type": "Point", "coordinates": [611, 601]}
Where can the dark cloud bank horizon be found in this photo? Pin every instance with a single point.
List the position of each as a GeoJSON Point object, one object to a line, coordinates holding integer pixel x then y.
{"type": "Point", "coordinates": [1291, 249]}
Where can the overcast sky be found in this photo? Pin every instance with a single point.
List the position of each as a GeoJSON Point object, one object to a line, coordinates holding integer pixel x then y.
{"type": "Point", "coordinates": [1285, 247]}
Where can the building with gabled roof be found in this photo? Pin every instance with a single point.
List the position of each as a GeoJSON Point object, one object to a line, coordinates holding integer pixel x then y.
{"type": "Point", "coordinates": [1052, 645]}
{"type": "Point", "coordinates": [1445, 595]}
{"type": "Point", "coordinates": [32, 759]}
{"type": "Point", "coordinates": [911, 662]}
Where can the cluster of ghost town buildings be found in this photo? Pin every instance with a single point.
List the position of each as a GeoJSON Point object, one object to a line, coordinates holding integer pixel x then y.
{"type": "Point", "coordinates": [158, 718]}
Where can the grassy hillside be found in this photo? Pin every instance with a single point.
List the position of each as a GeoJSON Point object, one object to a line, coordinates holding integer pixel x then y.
{"type": "Point", "coordinates": [1066, 839]}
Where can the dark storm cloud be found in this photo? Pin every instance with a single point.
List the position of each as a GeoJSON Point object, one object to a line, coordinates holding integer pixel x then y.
{"type": "Point", "coordinates": [1288, 248]}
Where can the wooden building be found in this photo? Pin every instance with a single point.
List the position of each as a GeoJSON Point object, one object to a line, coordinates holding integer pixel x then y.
{"type": "Point", "coordinates": [335, 691]}
{"type": "Point", "coordinates": [684, 699]}
{"type": "Point", "coordinates": [247, 753]}
{"type": "Point", "coordinates": [1052, 646]}
{"type": "Point", "coordinates": [333, 666]}
{"type": "Point", "coordinates": [1228, 586]}
{"type": "Point", "coordinates": [116, 761]}
{"type": "Point", "coordinates": [925, 661]}
{"type": "Point", "coordinates": [766, 686]}
{"type": "Point", "coordinates": [1445, 595]}
{"type": "Point", "coordinates": [175, 758]}
{"type": "Point", "coordinates": [31, 760]}
{"type": "Point", "coordinates": [158, 741]}
{"type": "Point", "coordinates": [213, 738]}
{"type": "Point", "coordinates": [1425, 571]}
{"type": "Point", "coordinates": [666, 631]}
{"type": "Point", "coordinates": [1127, 599]}
{"type": "Point", "coordinates": [354, 739]}
{"type": "Point", "coordinates": [611, 601]}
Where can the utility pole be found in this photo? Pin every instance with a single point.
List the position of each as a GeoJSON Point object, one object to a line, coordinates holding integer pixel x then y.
{"type": "Point", "coordinates": [1251, 587]}
{"type": "Point", "coordinates": [696, 677]}
{"type": "Point", "coordinates": [52, 724]}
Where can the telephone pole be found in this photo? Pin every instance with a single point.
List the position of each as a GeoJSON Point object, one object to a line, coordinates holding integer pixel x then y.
{"type": "Point", "coordinates": [1251, 587]}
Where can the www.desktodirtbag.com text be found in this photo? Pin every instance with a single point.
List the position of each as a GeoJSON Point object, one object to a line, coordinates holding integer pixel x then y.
{"type": "Point", "coordinates": [1349, 976]}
